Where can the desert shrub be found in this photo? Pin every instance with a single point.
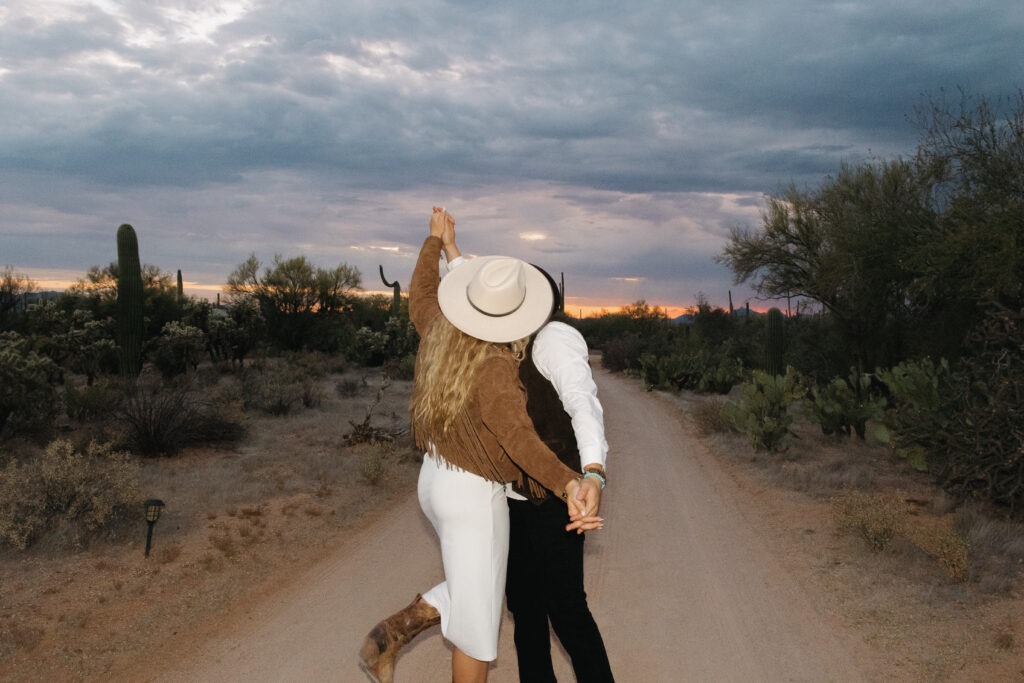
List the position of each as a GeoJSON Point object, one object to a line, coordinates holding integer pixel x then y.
{"type": "Point", "coordinates": [275, 390]}
{"type": "Point", "coordinates": [710, 418]}
{"type": "Point", "coordinates": [89, 344]}
{"type": "Point", "coordinates": [944, 543]}
{"type": "Point", "coordinates": [720, 375]}
{"type": "Point", "coordinates": [843, 407]}
{"type": "Point", "coordinates": [161, 420]}
{"type": "Point", "coordinates": [311, 394]}
{"type": "Point", "coordinates": [983, 454]}
{"type": "Point", "coordinates": [65, 485]}
{"type": "Point", "coordinates": [365, 432]}
{"type": "Point", "coordinates": [670, 371]}
{"type": "Point", "coordinates": [621, 353]}
{"type": "Point", "coordinates": [86, 403]}
{"type": "Point", "coordinates": [374, 465]}
{"type": "Point", "coordinates": [996, 548]}
{"type": "Point", "coordinates": [307, 363]}
{"type": "Point", "coordinates": [350, 388]}
{"type": "Point", "coordinates": [375, 347]}
{"type": "Point", "coordinates": [27, 398]}
{"type": "Point", "coordinates": [923, 403]}
{"type": "Point", "coordinates": [403, 368]}
{"type": "Point", "coordinates": [234, 336]}
{"type": "Point", "coordinates": [179, 348]}
{"type": "Point", "coordinates": [875, 517]}
{"type": "Point", "coordinates": [762, 411]}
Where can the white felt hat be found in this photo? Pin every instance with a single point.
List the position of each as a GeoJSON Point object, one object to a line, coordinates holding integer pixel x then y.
{"type": "Point", "coordinates": [496, 298]}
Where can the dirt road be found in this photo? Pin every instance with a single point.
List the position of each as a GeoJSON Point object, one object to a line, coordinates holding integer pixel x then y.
{"type": "Point", "coordinates": [681, 585]}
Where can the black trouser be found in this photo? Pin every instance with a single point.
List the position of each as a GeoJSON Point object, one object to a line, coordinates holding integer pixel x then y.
{"type": "Point", "coordinates": [545, 581]}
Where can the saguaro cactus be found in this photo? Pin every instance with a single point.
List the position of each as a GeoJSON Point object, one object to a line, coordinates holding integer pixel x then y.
{"type": "Point", "coordinates": [129, 301]}
{"type": "Point", "coordinates": [774, 343]}
{"type": "Point", "coordinates": [396, 298]}
{"type": "Point", "coordinates": [731, 310]}
{"type": "Point", "coordinates": [561, 293]}
{"type": "Point", "coordinates": [181, 288]}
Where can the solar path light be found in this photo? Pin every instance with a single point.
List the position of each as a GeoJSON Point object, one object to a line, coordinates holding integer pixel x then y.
{"type": "Point", "coordinates": [153, 508]}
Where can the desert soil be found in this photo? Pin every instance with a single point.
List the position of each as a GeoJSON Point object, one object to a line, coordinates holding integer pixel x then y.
{"type": "Point", "coordinates": [684, 587]}
{"type": "Point", "coordinates": [707, 570]}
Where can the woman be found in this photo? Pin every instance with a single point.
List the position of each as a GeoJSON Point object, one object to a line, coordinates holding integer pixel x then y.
{"type": "Point", "coordinates": [469, 415]}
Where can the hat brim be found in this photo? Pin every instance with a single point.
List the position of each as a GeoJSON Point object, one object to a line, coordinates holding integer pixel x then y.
{"type": "Point", "coordinates": [524, 321]}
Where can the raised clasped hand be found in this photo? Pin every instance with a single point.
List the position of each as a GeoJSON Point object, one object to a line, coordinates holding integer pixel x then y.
{"type": "Point", "coordinates": [442, 224]}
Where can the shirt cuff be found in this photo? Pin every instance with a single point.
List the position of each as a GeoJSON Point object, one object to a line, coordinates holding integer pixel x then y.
{"type": "Point", "coordinates": [592, 456]}
{"type": "Point", "coordinates": [455, 263]}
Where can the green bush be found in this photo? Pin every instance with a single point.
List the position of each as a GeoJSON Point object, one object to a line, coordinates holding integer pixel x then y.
{"type": "Point", "coordinates": [65, 486]}
{"type": "Point", "coordinates": [27, 398]}
{"type": "Point", "coordinates": [86, 403]}
{"type": "Point", "coordinates": [374, 348]}
{"type": "Point", "coordinates": [178, 349]}
{"type": "Point", "coordinates": [621, 353]}
{"type": "Point", "coordinates": [720, 375]}
{"type": "Point", "coordinates": [232, 337]}
{"type": "Point", "coordinates": [924, 402]}
{"type": "Point", "coordinates": [762, 409]}
{"type": "Point", "coordinates": [844, 407]}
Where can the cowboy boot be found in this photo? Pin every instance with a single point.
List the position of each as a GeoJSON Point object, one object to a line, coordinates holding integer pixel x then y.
{"type": "Point", "coordinates": [381, 645]}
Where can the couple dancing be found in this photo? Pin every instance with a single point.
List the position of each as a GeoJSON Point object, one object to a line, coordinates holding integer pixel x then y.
{"type": "Point", "coordinates": [510, 480]}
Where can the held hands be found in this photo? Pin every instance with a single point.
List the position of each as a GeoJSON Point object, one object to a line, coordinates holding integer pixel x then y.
{"type": "Point", "coordinates": [584, 500]}
{"type": "Point", "coordinates": [442, 225]}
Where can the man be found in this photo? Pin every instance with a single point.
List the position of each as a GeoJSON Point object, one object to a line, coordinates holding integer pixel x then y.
{"type": "Point", "coordinates": [545, 562]}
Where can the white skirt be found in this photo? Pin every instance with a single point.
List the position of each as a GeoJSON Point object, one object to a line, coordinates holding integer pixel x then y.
{"type": "Point", "coordinates": [470, 515]}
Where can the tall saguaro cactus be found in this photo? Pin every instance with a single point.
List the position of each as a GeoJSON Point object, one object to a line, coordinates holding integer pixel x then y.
{"type": "Point", "coordinates": [396, 299]}
{"type": "Point", "coordinates": [774, 343]}
{"type": "Point", "coordinates": [561, 293]}
{"type": "Point", "coordinates": [129, 301]}
{"type": "Point", "coordinates": [181, 288]}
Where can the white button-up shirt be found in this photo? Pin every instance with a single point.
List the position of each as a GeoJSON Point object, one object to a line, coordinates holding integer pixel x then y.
{"type": "Point", "coordinates": [560, 354]}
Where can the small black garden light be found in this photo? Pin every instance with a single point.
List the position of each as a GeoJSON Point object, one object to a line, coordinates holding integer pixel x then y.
{"type": "Point", "coordinates": [153, 508]}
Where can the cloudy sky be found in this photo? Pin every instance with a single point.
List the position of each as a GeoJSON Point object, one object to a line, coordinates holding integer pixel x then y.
{"type": "Point", "coordinates": [615, 142]}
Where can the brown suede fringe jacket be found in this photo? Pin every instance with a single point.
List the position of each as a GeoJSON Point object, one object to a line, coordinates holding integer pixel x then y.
{"type": "Point", "coordinates": [493, 436]}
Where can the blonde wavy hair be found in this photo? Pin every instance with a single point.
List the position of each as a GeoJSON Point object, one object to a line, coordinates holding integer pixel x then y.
{"type": "Point", "coordinates": [446, 365]}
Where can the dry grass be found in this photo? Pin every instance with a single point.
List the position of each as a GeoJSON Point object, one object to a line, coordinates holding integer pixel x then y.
{"type": "Point", "coordinates": [877, 518]}
{"type": "Point", "coordinates": [709, 417]}
{"type": "Point", "coordinates": [230, 524]}
{"type": "Point", "coordinates": [940, 601]}
{"type": "Point", "coordinates": [939, 538]}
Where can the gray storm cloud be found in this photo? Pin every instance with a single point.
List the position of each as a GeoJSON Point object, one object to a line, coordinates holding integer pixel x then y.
{"type": "Point", "coordinates": [632, 136]}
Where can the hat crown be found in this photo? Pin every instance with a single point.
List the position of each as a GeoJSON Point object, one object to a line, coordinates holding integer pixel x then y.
{"type": "Point", "coordinates": [498, 288]}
